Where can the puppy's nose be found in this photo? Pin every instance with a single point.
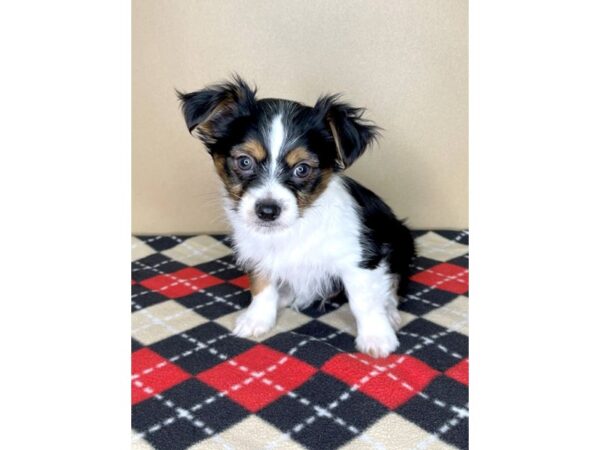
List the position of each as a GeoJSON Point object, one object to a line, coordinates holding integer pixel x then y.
{"type": "Point", "coordinates": [267, 210]}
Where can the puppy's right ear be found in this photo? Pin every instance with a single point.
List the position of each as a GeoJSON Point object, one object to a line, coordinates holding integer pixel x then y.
{"type": "Point", "coordinates": [209, 112]}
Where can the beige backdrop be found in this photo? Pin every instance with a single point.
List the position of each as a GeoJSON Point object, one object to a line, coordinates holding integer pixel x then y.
{"type": "Point", "coordinates": [405, 60]}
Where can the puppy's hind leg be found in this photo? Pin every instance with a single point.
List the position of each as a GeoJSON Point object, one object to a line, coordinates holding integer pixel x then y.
{"type": "Point", "coordinates": [286, 296]}
{"type": "Point", "coordinates": [392, 306]}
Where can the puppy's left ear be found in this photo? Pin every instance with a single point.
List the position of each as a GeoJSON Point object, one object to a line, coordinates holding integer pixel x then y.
{"type": "Point", "coordinates": [351, 133]}
{"type": "Point", "coordinates": [209, 112]}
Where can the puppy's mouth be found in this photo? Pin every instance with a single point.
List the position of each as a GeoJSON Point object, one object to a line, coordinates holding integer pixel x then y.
{"type": "Point", "coordinates": [268, 227]}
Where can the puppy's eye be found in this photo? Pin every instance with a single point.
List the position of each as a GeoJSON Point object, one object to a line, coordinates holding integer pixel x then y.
{"type": "Point", "coordinates": [244, 163]}
{"type": "Point", "coordinates": [302, 170]}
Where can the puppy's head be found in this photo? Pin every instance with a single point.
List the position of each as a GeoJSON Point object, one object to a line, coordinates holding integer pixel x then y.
{"type": "Point", "coordinates": [275, 157]}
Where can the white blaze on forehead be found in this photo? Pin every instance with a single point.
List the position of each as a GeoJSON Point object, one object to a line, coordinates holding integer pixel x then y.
{"type": "Point", "coordinates": [276, 138]}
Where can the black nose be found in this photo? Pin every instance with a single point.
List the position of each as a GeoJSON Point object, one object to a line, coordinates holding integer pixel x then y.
{"type": "Point", "coordinates": [267, 211]}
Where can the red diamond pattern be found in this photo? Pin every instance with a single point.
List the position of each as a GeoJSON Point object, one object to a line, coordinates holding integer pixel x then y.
{"type": "Point", "coordinates": [393, 387]}
{"type": "Point", "coordinates": [181, 283]}
{"type": "Point", "coordinates": [270, 374]}
{"type": "Point", "coordinates": [152, 374]}
{"type": "Point", "coordinates": [243, 282]}
{"type": "Point", "coordinates": [460, 372]}
{"type": "Point", "coordinates": [445, 276]}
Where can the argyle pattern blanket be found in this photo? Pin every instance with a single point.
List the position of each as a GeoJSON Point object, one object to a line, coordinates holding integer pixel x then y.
{"type": "Point", "coordinates": [303, 385]}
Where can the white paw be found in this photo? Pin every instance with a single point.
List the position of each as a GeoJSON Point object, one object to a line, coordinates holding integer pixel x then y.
{"type": "Point", "coordinates": [252, 324]}
{"type": "Point", "coordinates": [377, 344]}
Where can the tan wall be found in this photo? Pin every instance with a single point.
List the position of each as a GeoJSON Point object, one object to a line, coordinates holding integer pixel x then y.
{"type": "Point", "coordinates": [405, 60]}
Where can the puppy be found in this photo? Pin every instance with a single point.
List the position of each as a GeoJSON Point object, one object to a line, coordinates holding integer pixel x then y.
{"type": "Point", "coordinates": [300, 228]}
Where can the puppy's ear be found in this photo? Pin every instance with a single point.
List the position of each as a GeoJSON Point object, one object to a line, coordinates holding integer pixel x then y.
{"type": "Point", "coordinates": [208, 112]}
{"type": "Point", "coordinates": [352, 134]}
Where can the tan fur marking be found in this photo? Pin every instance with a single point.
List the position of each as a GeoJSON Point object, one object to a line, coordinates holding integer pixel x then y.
{"type": "Point", "coordinates": [257, 284]}
{"type": "Point", "coordinates": [297, 155]}
{"type": "Point", "coordinates": [308, 198]}
{"type": "Point", "coordinates": [220, 162]}
{"type": "Point", "coordinates": [233, 190]}
{"type": "Point", "coordinates": [254, 149]}
{"type": "Point", "coordinates": [338, 144]}
{"type": "Point", "coordinates": [204, 130]}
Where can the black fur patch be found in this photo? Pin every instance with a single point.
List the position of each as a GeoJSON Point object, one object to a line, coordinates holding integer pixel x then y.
{"type": "Point", "coordinates": [384, 236]}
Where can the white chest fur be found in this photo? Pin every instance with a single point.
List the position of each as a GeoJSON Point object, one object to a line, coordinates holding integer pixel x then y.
{"type": "Point", "coordinates": [319, 246]}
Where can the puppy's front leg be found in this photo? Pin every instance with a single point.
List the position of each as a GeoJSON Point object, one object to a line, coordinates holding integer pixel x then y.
{"type": "Point", "coordinates": [261, 314]}
{"type": "Point", "coordinates": [369, 292]}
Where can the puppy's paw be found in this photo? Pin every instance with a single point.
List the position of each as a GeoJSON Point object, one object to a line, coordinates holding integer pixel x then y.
{"type": "Point", "coordinates": [251, 324]}
{"type": "Point", "coordinates": [377, 344]}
